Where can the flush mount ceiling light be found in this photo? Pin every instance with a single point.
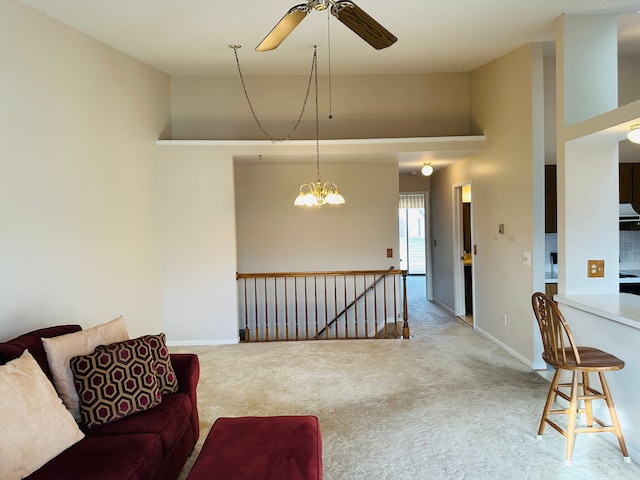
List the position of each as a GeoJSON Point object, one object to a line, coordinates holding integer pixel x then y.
{"type": "Point", "coordinates": [318, 193]}
{"type": "Point", "coordinates": [634, 133]}
{"type": "Point", "coordinates": [427, 169]}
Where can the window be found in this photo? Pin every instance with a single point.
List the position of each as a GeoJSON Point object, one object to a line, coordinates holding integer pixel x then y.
{"type": "Point", "coordinates": [411, 220]}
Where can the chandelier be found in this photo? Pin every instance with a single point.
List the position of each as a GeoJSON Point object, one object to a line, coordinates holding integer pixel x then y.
{"type": "Point", "coordinates": [318, 193]}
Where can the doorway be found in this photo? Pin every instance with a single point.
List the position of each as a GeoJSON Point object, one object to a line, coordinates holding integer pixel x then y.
{"type": "Point", "coordinates": [413, 223]}
{"type": "Point", "coordinates": [464, 250]}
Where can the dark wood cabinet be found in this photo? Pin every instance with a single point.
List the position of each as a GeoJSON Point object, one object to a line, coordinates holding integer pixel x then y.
{"type": "Point", "coordinates": [629, 184]}
{"type": "Point", "coordinates": [550, 289]}
{"type": "Point", "coordinates": [550, 199]}
{"type": "Point", "coordinates": [635, 186]}
{"type": "Point", "coordinates": [625, 182]}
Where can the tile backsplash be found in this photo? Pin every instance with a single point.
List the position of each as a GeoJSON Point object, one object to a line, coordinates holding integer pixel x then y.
{"type": "Point", "coordinates": [629, 247]}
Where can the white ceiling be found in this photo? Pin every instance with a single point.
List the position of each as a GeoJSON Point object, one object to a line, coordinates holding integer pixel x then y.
{"type": "Point", "coordinates": [191, 37]}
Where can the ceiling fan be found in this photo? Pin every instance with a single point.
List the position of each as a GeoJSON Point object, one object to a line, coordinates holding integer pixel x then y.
{"type": "Point", "coordinates": [344, 10]}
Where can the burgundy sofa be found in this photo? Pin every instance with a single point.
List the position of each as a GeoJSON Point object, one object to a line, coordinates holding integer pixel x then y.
{"type": "Point", "coordinates": [153, 444]}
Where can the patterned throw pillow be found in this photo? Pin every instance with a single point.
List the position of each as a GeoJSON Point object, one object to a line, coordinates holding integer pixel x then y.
{"type": "Point", "coordinates": [115, 381]}
{"type": "Point", "coordinates": [165, 374]}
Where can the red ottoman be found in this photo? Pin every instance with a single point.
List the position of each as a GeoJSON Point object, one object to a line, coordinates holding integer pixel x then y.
{"type": "Point", "coordinates": [261, 448]}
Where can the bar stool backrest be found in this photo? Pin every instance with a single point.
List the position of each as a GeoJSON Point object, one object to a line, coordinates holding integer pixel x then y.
{"type": "Point", "coordinates": [557, 339]}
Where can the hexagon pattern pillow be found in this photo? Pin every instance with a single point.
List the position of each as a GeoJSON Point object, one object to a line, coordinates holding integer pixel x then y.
{"type": "Point", "coordinates": [115, 381]}
{"type": "Point", "coordinates": [167, 380]}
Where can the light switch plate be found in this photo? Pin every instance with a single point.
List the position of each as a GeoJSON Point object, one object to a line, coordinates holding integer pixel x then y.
{"type": "Point", "coordinates": [526, 259]}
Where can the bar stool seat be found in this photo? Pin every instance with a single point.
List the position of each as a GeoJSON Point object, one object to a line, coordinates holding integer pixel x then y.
{"type": "Point", "coordinates": [561, 353]}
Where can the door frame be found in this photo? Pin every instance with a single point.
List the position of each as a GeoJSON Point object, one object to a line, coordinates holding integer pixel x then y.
{"type": "Point", "coordinates": [428, 243]}
{"type": "Point", "coordinates": [458, 247]}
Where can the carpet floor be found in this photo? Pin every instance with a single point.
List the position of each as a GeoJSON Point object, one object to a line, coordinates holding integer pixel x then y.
{"type": "Point", "coordinates": [447, 404]}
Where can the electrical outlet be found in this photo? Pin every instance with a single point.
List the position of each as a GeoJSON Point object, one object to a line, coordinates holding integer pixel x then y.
{"type": "Point", "coordinates": [595, 268]}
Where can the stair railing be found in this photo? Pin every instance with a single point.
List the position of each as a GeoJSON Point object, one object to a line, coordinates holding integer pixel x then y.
{"type": "Point", "coordinates": [356, 304]}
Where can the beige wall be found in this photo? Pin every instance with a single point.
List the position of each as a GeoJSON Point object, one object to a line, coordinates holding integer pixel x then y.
{"type": "Point", "coordinates": [269, 231]}
{"type": "Point", "coordinates": [363, 106]}
{"type": "Point", "coordinates": [506, 101]}
{"type": "Point", "coordinates": [275, 236]}
{"type": "Point", "coordinates": [198, 244]}
{"type": "Point", "coordinates": [414, 183]}
{"type": "Point", "coordinates": [79, 236]}
{"type": "Point", "coordinates": [628, 74]}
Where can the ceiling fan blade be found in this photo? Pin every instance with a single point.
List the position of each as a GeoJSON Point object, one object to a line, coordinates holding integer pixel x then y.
{"type": "Point", "coordinates": [285, 26]}
{"type": "Point", "coordinates": [362, 24]}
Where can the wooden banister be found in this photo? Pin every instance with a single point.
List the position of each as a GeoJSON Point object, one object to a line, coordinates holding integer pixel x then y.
{"type": "Point", "coordinates": [273, 302]}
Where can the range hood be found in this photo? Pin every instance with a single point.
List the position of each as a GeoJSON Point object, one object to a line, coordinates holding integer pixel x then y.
{"type": "Point", "coordinates": [628, 214]}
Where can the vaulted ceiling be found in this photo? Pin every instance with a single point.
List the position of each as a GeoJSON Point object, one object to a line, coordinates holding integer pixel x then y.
{"type": "Point", "coordinates": [192, 37]}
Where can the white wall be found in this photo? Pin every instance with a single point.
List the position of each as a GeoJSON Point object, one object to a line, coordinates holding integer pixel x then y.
{"type": "Point", "coordinates": [587, 173]}
{"type": "Point", "coordinates": [587, 48]}
{"type": "Point", "coordinates": [275, 236]}
{"type": "Point", "coordinates": [622, 341]}
{"type": "Point", "coordinates": [197, 216]}
{"type": "Point", "coordinates": [628, 91]}
{"type": "Point", "coordinates": [79, 236]}
{"type": "Point", "coordinates": [506, 102]}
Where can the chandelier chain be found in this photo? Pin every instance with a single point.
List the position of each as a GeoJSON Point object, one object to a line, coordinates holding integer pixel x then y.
{"type": "Point", "coordinates": [329, 61]}
{"type": "Point", "coordinates": [314, 70]}
{"type": "Point", "coordinates": [304, 104]}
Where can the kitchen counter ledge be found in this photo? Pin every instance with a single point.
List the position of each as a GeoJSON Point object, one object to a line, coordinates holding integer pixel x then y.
{"type": "Point", "coordinates": [619, 307]}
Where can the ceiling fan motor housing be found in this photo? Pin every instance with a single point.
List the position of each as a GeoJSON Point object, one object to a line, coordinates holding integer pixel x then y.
{"type": "Point", "coordinates": [320, 4]}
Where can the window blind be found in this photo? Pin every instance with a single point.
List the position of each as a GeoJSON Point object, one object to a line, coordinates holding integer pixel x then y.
{"type": "Point", "coordinates": [411, 200]}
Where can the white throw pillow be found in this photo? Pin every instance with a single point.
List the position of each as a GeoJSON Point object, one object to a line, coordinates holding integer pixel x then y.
{"type": "Point", "coordinates": [36, 426]}
{"type": "Point", "coordinates": [63, 348]}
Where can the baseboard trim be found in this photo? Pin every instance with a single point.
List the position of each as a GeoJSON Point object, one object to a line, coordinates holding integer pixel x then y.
{"type": "Point", "coordinates": [539, 365]}
{"type": "Point", "coordinates": [196, 343]}
{"type": "Point", "coordinates": [444, 306]}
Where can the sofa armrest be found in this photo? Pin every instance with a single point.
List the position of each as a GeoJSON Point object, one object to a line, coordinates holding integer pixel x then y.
{"type": "Point", "coordinates": [187, 368]}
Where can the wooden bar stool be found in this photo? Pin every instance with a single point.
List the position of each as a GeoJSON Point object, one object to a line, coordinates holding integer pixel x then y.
{"type": "Point", "coordinates": [561, 353]}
